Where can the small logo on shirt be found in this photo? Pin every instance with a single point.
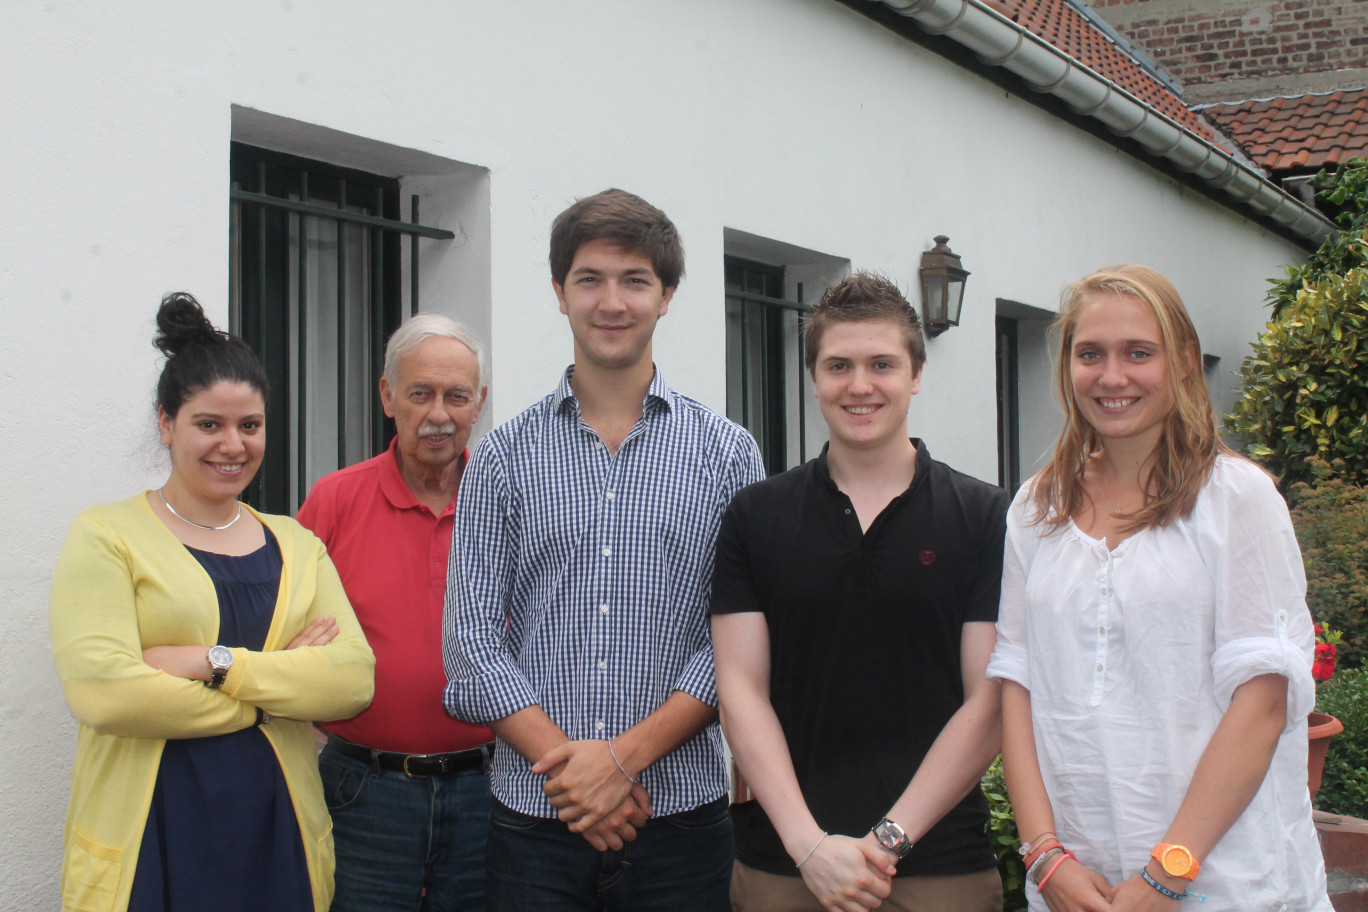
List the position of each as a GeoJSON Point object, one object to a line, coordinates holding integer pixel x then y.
{"type": "Point", "coordinates": [927, 557]}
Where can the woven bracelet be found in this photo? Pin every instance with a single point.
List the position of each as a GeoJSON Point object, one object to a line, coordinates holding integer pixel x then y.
{"type": "Point", "coordinates": [1166, 891]}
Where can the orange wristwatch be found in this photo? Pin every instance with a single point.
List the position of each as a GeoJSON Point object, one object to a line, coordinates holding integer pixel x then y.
{"type": "Point", "coordinates": [1176, 860]}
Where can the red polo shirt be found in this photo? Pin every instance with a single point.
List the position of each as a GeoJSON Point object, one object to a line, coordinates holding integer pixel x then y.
{"type": "Point", "coordinates": [392, 554]}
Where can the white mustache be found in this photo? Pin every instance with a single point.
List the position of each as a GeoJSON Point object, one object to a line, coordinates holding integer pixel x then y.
{"type": "Point", "coordinates": [437, 430]}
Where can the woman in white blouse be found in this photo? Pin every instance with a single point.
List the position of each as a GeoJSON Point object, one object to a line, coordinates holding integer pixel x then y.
{"type": "Point", "coordinates": [1153, 638]}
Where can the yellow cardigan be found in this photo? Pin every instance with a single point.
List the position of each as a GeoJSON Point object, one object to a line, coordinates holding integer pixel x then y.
{"type": "Point", "coordinates": [123, 583]}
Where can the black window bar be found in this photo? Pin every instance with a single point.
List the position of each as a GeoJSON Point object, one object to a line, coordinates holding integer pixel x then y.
{"type": "Point", "coordinates": [278, 204]}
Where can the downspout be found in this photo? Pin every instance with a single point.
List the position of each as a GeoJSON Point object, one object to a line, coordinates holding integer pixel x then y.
{"type": "Point", "coordinates": [998, 41]}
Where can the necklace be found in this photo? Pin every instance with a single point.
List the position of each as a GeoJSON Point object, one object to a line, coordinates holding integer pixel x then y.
{"type": "Point", "coordinates": [195, 524]}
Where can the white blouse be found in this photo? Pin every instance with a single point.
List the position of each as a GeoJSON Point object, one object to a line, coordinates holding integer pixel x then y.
{"type": "Point", "coordinates": [1131, 657]}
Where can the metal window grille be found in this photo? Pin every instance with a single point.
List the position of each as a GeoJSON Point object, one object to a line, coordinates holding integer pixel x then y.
{"type": "Point", "coordinates": [315, 288]}
{"type": "Point", "coordinates": [761, 362]}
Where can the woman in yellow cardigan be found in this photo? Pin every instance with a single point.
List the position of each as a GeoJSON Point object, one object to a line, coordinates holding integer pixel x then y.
{"type": "Point", "coordinates": [197, 640]}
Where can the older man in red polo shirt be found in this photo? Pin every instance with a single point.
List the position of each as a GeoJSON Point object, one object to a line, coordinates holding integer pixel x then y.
{"type": "Point", "coordinates": [406, 784]}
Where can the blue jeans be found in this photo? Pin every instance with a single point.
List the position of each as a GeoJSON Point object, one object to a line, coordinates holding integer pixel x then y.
{"type": "Point", "coordinates": [396, 837]}
{"type": "Point", "coordinates": [682, 861]}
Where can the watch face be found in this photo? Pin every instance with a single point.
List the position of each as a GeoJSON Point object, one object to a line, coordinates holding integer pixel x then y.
{"type": "Point", "coordinates": [220, 656]}
{"type": "Point", "coordinates": [1176, 861]}
{"type": "Point", "coordinates": [892, 837]}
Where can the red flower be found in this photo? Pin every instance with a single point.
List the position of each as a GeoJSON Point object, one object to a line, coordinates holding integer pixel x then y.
{"type": "Point", "coordinates": [1326, 654]}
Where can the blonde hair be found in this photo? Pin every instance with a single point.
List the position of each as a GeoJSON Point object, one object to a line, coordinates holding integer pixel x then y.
{"type": "Point", "coordinates": [1189, 444]}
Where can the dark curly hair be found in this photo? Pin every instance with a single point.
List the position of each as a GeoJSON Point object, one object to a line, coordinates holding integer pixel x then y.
{"type": "Point", "coordinates": [198, 355]}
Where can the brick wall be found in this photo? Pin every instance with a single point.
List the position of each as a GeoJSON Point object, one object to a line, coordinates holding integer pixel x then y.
{"type": "Point", "coordinates": [1209, 41]}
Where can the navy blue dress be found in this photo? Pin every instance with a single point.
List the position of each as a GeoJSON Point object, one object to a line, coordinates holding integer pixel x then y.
{"type": "Point", "coordinates": [221, 832]}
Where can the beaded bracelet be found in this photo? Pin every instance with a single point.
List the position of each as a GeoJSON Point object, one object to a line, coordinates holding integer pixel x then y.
{"type": "Point", "coordinates": [1036, 857]}
{"type": "Point", "coordinates": [1040, 850]}
{"type": "Point", "coordinates": [1033, 871]}
{"type": "Point", "coordinates": [1166, 891]}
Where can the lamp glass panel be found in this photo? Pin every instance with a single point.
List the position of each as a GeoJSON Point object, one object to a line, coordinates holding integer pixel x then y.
{"type": "Point", "coordinates": [954, 296]}
{"type": "Point", "coordinates": [933, 293]}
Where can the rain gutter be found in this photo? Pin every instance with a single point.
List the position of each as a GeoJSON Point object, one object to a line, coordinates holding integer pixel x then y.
{"type": "Point", "coordinates": [999, 42]}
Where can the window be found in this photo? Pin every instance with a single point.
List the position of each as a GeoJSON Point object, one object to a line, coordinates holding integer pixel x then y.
{"type": "Point", "coordinates": [315, 287]}
{"type": "Point", "coordinates": [766, 285]}
{"type": "Point", "coordinates": [760, 366]}
{"type": "Point", "coordinates": [1008, 406]}
{"type": "Point", "coordinates": [1027, 410]}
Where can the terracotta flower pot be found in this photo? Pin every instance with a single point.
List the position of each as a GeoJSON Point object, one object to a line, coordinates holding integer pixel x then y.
{"type": "Point", "coordinates": [1321, 727]}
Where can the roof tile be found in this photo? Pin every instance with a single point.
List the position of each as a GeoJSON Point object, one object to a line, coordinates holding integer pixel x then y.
{"type": "Point", "coordinates": [1301, 132]}
{"type": "Point", "coordinates": [1062, 25]}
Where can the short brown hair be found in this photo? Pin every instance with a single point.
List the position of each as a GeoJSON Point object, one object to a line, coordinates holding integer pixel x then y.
{"type": "Point", "coordinates": [624, 220]}
{"type": "Point", "coordinates": [863, 297]}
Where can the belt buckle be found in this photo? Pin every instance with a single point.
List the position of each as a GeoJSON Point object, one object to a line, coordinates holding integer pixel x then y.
{"type": "Point", "coordinates": [412, 775]}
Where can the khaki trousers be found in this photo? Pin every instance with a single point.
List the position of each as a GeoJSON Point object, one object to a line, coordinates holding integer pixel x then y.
{"type": "Point", "coordinates": [759, 891]}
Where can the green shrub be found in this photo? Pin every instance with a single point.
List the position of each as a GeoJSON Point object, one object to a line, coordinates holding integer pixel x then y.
{"type": "Point", "coordinates": [1305, 387]}
{"type": "Point", "coordinates": [1002, 832]}
{"type": "Point", "coordinates": [1344, 789]}
{"type": "Point", "coordinates": [1345, 193]}
{"type": "Point", "coordinates": [1331, 518]}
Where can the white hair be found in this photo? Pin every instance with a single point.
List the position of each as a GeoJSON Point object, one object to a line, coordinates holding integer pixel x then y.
{"type": "Point", "coordinates": [423, 326]}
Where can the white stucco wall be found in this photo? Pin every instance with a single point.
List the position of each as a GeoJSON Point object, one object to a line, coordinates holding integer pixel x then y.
{"type": "Point", "coordinates": [795, 120]}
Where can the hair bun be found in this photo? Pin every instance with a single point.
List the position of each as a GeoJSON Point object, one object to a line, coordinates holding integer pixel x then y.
{"type": "Point", "coordinates": [181, 323]}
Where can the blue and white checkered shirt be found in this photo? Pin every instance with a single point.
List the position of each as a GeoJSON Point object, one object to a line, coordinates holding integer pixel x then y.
{"type": "Point", "coordinates": [579, 581]}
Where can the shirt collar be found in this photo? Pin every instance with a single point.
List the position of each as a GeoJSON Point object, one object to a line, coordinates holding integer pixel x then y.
{"type": "Point", "coordinates": [923, 466]}
{"type": "Point", "coordinates": [396, 490]}
{"type": "Point", "coordinates": [658, 394]}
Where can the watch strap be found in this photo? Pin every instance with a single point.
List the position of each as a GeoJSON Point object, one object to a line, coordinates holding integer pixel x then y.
{"type": "Point", "coordinates": [218, 672]}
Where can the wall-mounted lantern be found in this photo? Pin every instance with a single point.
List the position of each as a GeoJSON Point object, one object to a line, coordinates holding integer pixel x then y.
{"type": "Point", "coordinates": [942, 279]}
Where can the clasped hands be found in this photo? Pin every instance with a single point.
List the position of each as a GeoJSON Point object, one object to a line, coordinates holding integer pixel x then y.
{"type": "Point", "coordinates": [1077, 888]}
{"type": "Point", "coordinates": [592, 794]}
{"type": "Point", "coordinates": [848, 873]}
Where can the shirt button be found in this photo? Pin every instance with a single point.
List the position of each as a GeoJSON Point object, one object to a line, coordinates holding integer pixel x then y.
{"type": "Point", "coordinates": [608, 495]}
{"type": "Point", "coordinates": [1104, 590]}
{"type": "Point", "coordinates": [1099, 666]}
{"type": "Point", "coordinates": [598, 726]}
{"type": "Point", "coordinates": [847, 511]}
{"type": "Point", "coordinates": [603, 608]}
{"type": "Point", "coordinates": [602, 665]}
{"type": "Point", "coordinates": [1102, 630]}
{"type": "Point", "coordinates": [598, 444]}
{"type": "Point", "coordinates": [607, 552]}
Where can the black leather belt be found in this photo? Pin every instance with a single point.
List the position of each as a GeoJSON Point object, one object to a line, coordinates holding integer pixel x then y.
{"type": "Point", "coordinates": [414, 765]}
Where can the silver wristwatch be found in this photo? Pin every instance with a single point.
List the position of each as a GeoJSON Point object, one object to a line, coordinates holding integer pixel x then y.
{"type": "Point", "coordinates": [892, 837]}
{"type": "Point", "coordinates": [220, 660]}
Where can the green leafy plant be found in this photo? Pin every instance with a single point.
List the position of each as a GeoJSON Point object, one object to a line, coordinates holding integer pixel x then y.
{"type": "Point", "coordinates": [1330, 515]}
{"type": "Point", "coordinates": [1344, 192]}
{"type": "Point", "coordinates": [1305, 387]}
{"type": "Point", "coordinates": [1344, 786]}
{"type": "Point", "coordinates": [1002, 832]}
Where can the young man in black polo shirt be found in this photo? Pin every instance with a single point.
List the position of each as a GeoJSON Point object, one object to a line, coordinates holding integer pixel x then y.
{"type": "Point", "coordinates": [853, 607]}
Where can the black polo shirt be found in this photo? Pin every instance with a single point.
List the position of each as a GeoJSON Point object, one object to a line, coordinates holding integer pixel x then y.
{"type": "Point", "coordinates": [864, 632]}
